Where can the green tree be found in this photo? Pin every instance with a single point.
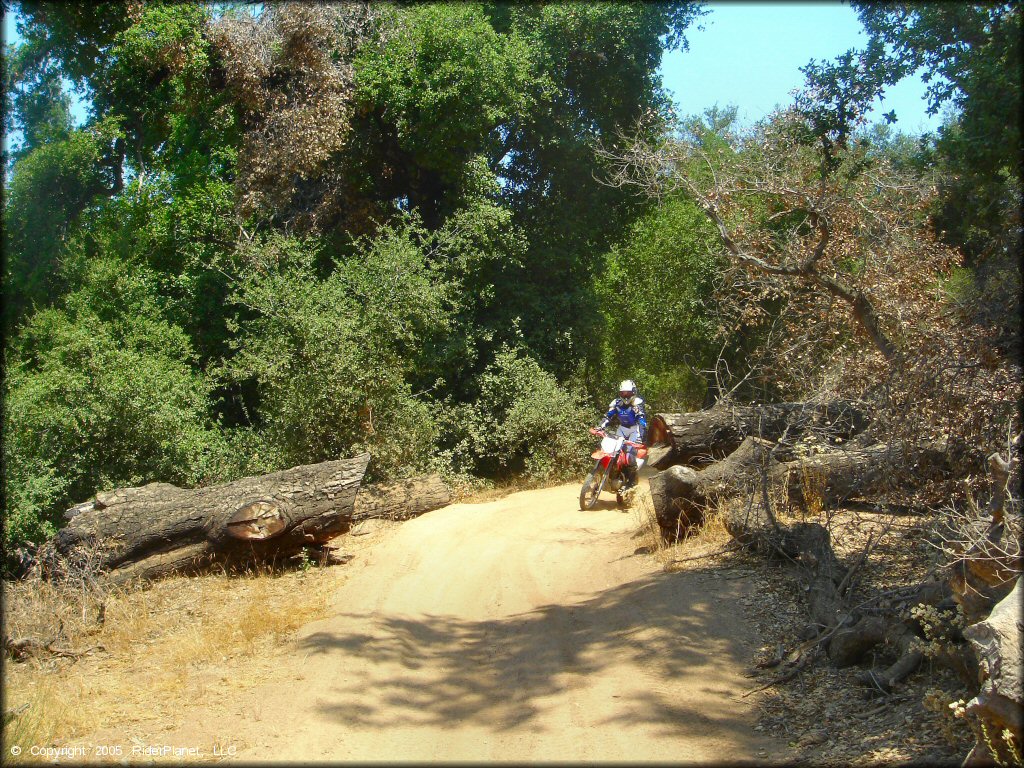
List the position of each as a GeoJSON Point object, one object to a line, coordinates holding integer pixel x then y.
{"type": "Point", "coordinates": [100, 392]}
{"type": "Point", "coordinates": [657, 299]}
{"type": "Point", "coordinates": [442, 87]}
{"type": "Point", "coordinates": [594, 73]}
{"type": "Point", "coordinates": [330, 356]}
{"type": "Point", "coordinates": [970, 54]}
{"type": "Point", "coordinates": [51, 186]}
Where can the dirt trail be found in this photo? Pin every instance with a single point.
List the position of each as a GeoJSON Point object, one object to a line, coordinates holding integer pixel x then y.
{"type": "Point", "coordinates": [517, 630]}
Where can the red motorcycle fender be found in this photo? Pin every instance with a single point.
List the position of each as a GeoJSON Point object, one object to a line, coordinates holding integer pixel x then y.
{"type": "Point", "coordinates": [602, 457]}
{"type": "Point", "coordinates": [623, 459]}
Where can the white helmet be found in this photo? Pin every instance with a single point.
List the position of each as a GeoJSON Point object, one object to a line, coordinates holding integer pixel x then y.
{"type": "Point", "coordinates": [628, 386]}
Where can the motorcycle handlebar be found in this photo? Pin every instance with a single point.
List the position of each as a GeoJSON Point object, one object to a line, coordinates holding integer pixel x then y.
{"type": "Point", "coordinates": [601, 432]}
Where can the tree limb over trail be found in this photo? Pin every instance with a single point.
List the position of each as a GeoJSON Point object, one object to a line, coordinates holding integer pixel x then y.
{"type": "Point", "coordinates": [682, 495]}
{"type": "Point", "coordinates": [791, 220]}
{"type": "Point", "coordinates": [159, 529]}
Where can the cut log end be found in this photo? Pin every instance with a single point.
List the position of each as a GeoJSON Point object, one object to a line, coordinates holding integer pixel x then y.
{"type": "Point", "coordinates": [257, 521]}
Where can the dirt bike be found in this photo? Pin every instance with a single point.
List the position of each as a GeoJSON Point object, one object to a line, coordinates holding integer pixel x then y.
{"type": "Point", "coordinates": [610, 469]}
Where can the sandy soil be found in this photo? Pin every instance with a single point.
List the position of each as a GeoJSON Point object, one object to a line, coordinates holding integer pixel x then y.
{"type": "Point", "coordinates": [520, 629]}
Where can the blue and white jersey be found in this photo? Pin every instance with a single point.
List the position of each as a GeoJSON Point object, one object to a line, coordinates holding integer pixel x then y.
{"type": "Point", "coordinates": [630, 412]}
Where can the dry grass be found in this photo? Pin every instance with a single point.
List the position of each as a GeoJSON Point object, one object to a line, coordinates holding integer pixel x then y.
{"type": "Point", "coordinates": [159, 647]}
{"type": "Point", "coordinates": [710, 537]}
{"type": "Point", "coordinates": [709, 540]}
{"type": "Point", "coordinates": [647, 532]}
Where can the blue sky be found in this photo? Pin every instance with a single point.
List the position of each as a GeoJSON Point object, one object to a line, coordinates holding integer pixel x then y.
{"type": "Point", "coordinates": [749, 54]}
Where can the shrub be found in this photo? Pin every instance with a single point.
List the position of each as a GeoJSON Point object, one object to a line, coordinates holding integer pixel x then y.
{"type": "Point", "coordinates": [331, 357]}
{"type": "Point", "coordinates": [523, 421]}
{"type": "Point", "coordinates": [92, 403]}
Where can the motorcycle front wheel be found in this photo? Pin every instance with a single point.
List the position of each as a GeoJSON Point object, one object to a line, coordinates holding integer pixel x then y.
{"type": "Point", "coordinates": [591, 488]}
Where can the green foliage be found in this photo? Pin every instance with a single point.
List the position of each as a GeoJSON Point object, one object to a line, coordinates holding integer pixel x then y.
{"type": "Point", "coordinates": [656, 299]}
{"type": "Point", "coordinates": [523, 91]}
{"type": "Point", "coordinates": [51, 186]}
{"type": "Point", "coordinates": [181, 233]}
{"type": "Point", "coordinates": [164, 42]}
{"type": "Point", "coordinates": [839, 95]}
{"type": "Point", "coordinates": [329, 356]}
{"type": "Point", "coordinates": [522, 421]}
{"type": "Point", "coordinates": [594, 74]}
{"type": "Point", "coordinates": [445, 81]}
{"type": "Point", "coordinates": [100, 393]}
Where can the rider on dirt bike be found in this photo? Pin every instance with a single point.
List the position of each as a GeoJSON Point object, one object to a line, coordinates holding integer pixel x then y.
{"type": "Point", "coordinates": [629, 409]}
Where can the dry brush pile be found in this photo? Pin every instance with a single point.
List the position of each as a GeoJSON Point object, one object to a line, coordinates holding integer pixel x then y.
{"type": "Point", "coordinates": [888, 586]}
{"type": "Point", "coordinates": [290, 72]}
{"type": "Point", "coordinates": [902, 403]}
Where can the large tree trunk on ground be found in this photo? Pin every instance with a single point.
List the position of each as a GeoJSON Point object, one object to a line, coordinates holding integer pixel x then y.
{"type": "Point", "coordinates": [702, 437]}
{"type": "Point", "coordinates": [402, 500]}
{"type": "Point", "coordinates": [681, 495]}
{"type": "Point", "coordinates": [999, 705]}
{"type": "Point", "coordinates": [827, 480]}
{"type": "Point", "coordinates": [159, 529]}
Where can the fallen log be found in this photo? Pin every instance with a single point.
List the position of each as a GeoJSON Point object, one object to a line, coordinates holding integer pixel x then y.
{"type": "Point", "coordinates": [702, 437]}
{"type": "Point", "coordinates": [402, 500]}
{"type": "Point", "coordinates": [681, 495]}
{"type": "Point", "coordinates": [158, 529]}
{"type": "Point", "coordinates": [827, 480]}
{"type": "Point", "coordinates": [850, 644]}
{"type": "Point", "coordinates": [999, 705]}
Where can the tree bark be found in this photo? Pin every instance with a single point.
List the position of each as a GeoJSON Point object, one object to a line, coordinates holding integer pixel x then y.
{"type": "Point", "coordinates": [827, 480]}
{"type": "Point", "coordinates": [681, 495]}
{"type": "Point", "coordinates": [702, 437]}
{"type": "Point", "coordinates": [159, 529]}
{"type": "Point", "coordinates": [401, 500]}
{"type": "Point", "coordinates": [999, 705]}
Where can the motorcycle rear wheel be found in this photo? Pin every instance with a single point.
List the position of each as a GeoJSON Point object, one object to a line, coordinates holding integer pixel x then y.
{"type": "Point", "coordinates": [591, 488]}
